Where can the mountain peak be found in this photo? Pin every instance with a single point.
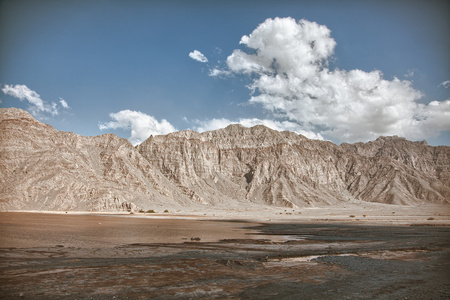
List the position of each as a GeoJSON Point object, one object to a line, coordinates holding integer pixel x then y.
{"type": "Point", "coordinates": [14, 113]}
{"type": "Point", "coordinates": [390, 138]}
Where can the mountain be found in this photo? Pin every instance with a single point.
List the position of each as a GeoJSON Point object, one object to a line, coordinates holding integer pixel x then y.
{"type": "Point", "coordinates": [42, 168]}
{"type": "Point", "coordinates": [45, 169]}
{"type": "Point", "coordinates": [265, 166]}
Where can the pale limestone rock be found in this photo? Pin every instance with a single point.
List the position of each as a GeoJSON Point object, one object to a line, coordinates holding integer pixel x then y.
{"type": "Point", "coordinates": [285, 169]}
{"type": "Point", "coordinates": [44, 169]}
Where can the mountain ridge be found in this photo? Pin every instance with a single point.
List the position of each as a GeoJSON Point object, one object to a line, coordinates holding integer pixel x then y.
{"type": "Point", "coordinates": [45, 169]}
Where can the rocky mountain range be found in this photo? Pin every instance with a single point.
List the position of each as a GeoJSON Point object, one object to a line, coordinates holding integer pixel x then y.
{"type": "Point", "coordinates": [45, 169]}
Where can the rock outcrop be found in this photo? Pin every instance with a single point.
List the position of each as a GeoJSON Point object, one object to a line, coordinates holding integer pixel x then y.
{"type": "Point", "coordinates": [42, 168]}
{"type": "Point", "coordinates": [285, 169]}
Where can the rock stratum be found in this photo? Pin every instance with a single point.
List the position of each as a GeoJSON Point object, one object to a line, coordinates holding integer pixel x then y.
{"type": "Point", "coordinates": [45, 169]}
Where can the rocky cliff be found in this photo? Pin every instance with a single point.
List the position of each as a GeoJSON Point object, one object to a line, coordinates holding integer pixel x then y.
{"type": "Point", "coordinates": [42, 168]}
{"type": "Point", "coordinates": [285, 169]}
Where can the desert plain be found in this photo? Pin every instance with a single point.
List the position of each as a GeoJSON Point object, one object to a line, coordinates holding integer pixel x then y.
{"type": "Point", "coordinates": [352, 251]}
{"type": "Point", "coordinates": [234, 213]}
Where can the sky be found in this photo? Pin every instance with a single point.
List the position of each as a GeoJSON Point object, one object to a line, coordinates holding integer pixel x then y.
{"type": "Point", "coordinates": [343, 71]}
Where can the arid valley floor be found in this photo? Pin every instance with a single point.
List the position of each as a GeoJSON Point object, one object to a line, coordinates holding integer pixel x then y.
{"type": "Point", "coordinates": [390, 252]}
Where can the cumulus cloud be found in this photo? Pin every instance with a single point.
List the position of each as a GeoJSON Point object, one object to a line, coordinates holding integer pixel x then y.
{"type": "Point", "coordinates": [198, 56]}
{"type": "Point", "coordinates": [213, 124]}
{"type": "Point", "coordinates": [36, 104]}
{"type": "Point", "coordinates": [433, 118]}
{"type": "Point", "coordinates": [288, 63]}
{"type": "Point", "coordinates": [140, 124]}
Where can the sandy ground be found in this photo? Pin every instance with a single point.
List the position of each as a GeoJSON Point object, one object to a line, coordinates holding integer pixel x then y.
{"type": "Point", "coordinates": [347, 252]}
{"type": "Point", "coordinates": [353, 211]}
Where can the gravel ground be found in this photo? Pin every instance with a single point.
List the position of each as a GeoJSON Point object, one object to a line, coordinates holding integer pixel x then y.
{"type": "Point", "coordinates": [272, 261]}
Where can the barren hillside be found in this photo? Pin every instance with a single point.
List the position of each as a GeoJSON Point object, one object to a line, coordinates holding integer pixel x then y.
{"type": "Point", "coordinates": [45, 169]}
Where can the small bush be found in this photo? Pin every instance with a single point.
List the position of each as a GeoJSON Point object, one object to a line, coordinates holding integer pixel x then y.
{"type": "Point", "coordinates": [364, 216]}
{"type": "Point", "coordinates": [430, 218]}
{"type": "Point", "coordinates": [166, 211]}
{"type": "Point", "coordinates": [352, 216]}
{"type": "Point", "coordinates": [151, 211]}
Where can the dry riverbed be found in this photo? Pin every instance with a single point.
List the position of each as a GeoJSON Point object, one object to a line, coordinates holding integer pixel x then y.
{"type": "Point", "coordinates": [56, 256]}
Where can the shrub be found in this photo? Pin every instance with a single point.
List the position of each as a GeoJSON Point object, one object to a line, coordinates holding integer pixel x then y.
{"type": "Point", "coordinates": [166, 211]}
{"type": "Point", "coordinates": [352, 216]}
{"type": "Point", "coordinates": [430, 218]}
{"type": "Point", "coordinates": [151, 211]}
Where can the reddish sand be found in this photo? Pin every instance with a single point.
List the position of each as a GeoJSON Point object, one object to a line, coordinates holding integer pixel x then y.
{"type": "Point", "coordinates": [23, 230]}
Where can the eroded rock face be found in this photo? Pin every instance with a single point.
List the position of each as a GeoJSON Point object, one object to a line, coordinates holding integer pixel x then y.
{"type": "Point", "coordinates": [285, 169]}
{"type": "Point", "coordinates": [395, 170]}
{"type": "Point", "coordinates": [42, 168]}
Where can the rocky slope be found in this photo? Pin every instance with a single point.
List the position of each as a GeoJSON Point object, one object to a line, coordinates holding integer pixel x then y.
{"type": "Point", "coordinates": [42, 168]}
{"type": "Point", "coordinates": [285, 169]}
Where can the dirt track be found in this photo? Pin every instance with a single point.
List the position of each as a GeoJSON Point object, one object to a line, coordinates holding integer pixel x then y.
{"type": "Point", "coordinates": [289, 261]}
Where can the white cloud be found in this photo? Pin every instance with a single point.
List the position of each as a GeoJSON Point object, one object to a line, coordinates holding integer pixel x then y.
{"type": "Point", "coordinates": [433, 118]}
{"type": "Point", "coordinates": [219, 72]}
{"type": "Point", "coordinates": [140, 124]}
{"type": "Point", "coordinates": [198, 56]}
{"type": "Point", "coordinates": [445, 84]}
{"type": "Point", "coordinates": [288, 61]}
{"type": "Point", "coordinates": [214, 124]}
{"type": "Point", "coordinates": [64, 103]}
{"type": "Point", "coordinates": [37, 105]}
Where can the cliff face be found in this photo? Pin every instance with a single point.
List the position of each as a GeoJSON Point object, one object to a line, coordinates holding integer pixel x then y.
{"type": "Point", "coordinates": [285, 169]}
{"type": "Point", "coordinates": [394, 170]}
{"type": "Point", "coordinates": [42, 168]}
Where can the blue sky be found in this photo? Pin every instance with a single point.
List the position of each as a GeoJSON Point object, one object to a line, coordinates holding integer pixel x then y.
{"type": "Point", "coordinates": [124, 66]}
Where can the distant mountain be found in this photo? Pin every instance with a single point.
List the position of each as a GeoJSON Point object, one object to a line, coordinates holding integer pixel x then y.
{"type": "Point", "coordinates": [45, 169]}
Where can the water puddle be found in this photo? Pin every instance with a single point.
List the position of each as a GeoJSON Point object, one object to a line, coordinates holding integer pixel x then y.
{"type": "Point", "coordinates": [293, 261]}
{"type": "Point", "coordinates": [275, 238]}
